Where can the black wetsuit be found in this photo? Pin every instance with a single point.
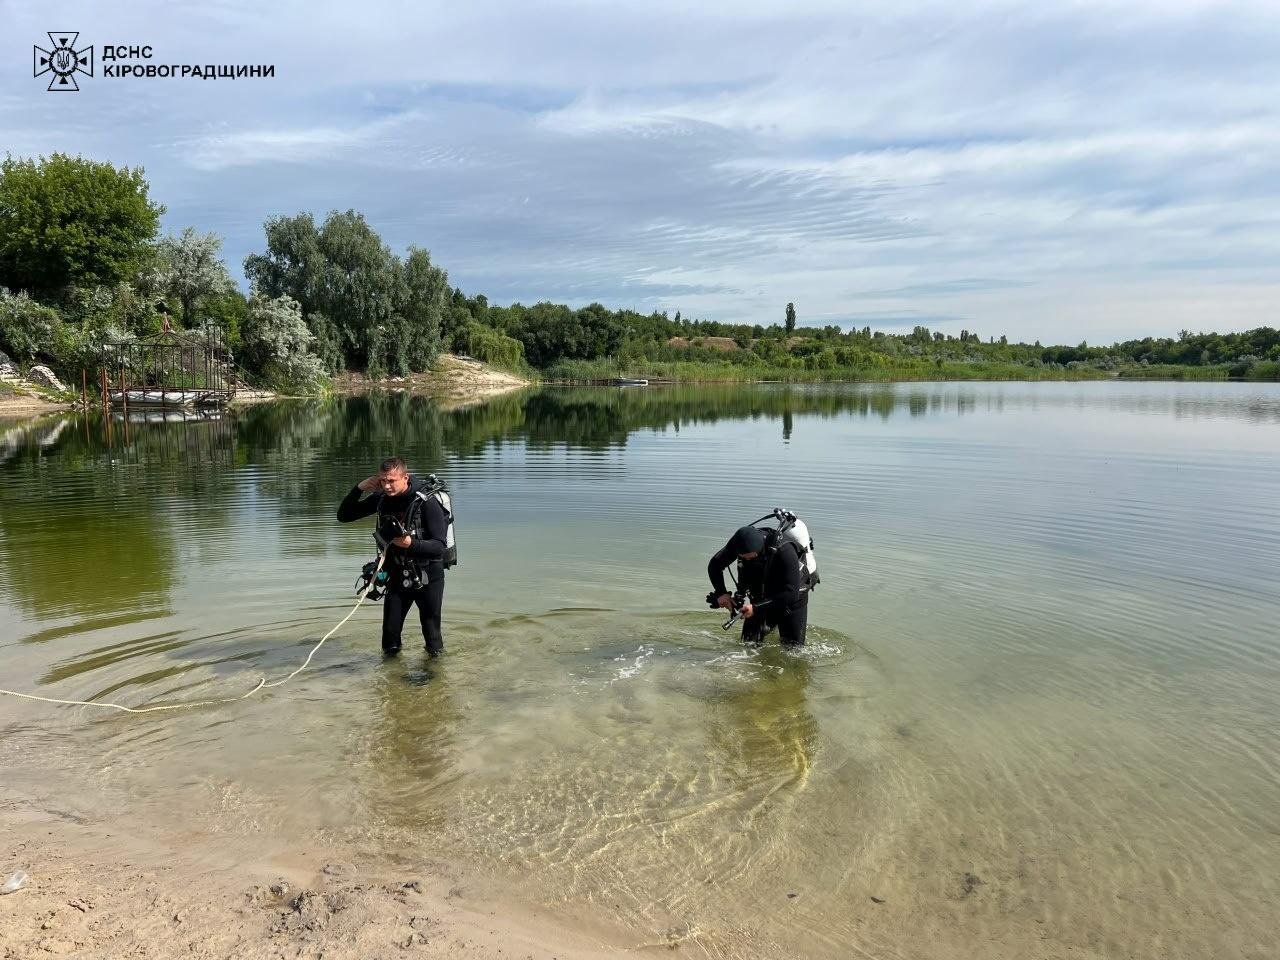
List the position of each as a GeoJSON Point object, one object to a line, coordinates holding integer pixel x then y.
{"type": "Point", "coordinates": [420, 562]}
{"type": "Point", "coordinates": [777, 584]}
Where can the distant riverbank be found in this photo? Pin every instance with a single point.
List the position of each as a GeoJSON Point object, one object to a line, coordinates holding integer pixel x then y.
{"type": "Point", "coordinates": [603, 371]}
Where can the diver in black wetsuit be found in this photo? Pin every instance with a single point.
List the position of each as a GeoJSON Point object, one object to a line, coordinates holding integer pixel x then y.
{"type": "Point", "coordinates": [413, 523]}
{"type": "Point", "coordinates": [773, 576]}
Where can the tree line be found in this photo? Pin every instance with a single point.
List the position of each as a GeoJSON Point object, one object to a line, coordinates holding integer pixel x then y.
{"type": "Point", "coordinates": [82, 261]}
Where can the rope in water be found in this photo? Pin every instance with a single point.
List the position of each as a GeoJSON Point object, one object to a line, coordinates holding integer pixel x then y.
{"type": "Point", "coordinates": [262, 684]}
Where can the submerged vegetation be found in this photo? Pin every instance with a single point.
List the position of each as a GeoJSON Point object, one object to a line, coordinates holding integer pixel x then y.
{"type": "Point", "coordinates": [81, 262]}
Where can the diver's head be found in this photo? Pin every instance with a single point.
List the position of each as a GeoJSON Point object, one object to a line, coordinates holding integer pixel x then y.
{"type": "Point", "coordinates": [748, 542]}
{"type": "Point", "coordinates": [393, 477]}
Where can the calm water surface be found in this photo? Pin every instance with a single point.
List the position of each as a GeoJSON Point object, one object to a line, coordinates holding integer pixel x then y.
{"type": "Point", "coordinates": [1037, 716]}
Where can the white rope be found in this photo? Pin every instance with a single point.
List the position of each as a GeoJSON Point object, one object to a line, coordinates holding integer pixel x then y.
{"type": "Point", "coordinates": [372, 580]}
{"type": "Point", "coordinates": [262, 684]}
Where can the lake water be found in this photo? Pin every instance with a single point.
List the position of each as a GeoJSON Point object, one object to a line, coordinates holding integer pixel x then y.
{"type": "Point", "coordinates": [1037, 715]}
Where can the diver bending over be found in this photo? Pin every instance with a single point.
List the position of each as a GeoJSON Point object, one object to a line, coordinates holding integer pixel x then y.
{"type": "Point", "coordinates": [773, 584]}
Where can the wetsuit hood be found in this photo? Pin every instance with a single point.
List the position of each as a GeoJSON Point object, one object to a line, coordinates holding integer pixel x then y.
{"type": "Point", "coordinates": [747, 540]}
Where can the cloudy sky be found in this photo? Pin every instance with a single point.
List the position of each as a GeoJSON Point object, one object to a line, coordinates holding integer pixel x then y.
{"type": "Point", "coordinates": [1060, 171]}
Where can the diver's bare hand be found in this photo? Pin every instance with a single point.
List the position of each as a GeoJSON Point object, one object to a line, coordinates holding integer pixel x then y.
{"type": "Point", "coordinates": [402, 541]}
{"type": "Point", "coordinates": [369, 483]}
{"type": "Point", "coordinates": [725, 601]}
{"type": "Point", "coordinates": [747, 610]}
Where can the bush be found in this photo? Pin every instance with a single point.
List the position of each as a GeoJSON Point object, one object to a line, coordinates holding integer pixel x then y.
{"type": "Point", "coordinates": [581, 370]}
{"type": "Point", "coordinates": [1242, 366]}
{"type": "Point", "coordinates": [28, 330]}
{"type": "Point", "coordinates": [278, 344]}
{"type": "Point", "coordinates": [490, 345]}
{"type": "Point", "coordinates": [118, 308]}
{"type": "Point", "coordinates": [822, 360]}
{"type": "Point", "coordinates": [807, 348]}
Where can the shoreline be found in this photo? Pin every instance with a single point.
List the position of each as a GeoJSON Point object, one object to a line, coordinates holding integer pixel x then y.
{"type": "Point", "coordinates": [100, 888]}
{"type": "Point", "coordinates": [458, 382]}
{"type": "Point", "coordinates": [14, 406]}
{"type": "Point", "coordinates": [455, 381]}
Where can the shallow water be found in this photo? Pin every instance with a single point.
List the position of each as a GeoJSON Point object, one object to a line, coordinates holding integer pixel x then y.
{"type": "Point", "coordinates": [1036, 716]}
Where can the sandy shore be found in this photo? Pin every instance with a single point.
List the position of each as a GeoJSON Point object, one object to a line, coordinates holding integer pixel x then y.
{"type": "Point", "coordinates": [19, 405]}
{"type": "Point", "coordinates": [103, 890]}
{"type": "Point", "coordinates": [455, 381]}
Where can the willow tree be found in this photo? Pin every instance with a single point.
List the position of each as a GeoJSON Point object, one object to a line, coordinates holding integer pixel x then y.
{"type": "Point", "coordinates": [368, 309]}
{"type": "Point", "coordinates": [190, 272]}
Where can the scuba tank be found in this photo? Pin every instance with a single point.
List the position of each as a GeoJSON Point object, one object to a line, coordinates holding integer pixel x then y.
{"type": "Point", "coordinates": [792, 528]}
{"type": "Point", "coordinates": [440, 491]}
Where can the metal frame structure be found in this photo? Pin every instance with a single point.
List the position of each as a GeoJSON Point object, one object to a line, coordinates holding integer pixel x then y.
{"type": "Point", "coordinates": [170, 369]}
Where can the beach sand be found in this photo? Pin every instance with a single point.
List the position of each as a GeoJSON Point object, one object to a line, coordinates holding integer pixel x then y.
{"type": "Point", "coordinates": [100, 889]}
{"type": "Point", "coordinates": [454, 381]}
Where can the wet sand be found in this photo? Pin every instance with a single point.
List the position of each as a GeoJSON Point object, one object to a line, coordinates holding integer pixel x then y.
{"type": "Point", "coordinates": [99, 888]}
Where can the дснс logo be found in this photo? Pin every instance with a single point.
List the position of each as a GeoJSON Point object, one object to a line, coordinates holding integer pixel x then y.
{"type": "Point", "coordinates": [64, 61]}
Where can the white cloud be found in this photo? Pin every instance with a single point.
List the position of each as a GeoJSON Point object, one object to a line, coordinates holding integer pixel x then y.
{"type": "Point", "coordinates": [248, 147]}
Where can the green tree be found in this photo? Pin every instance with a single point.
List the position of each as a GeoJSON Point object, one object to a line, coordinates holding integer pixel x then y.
{"type": "Point", "coordinates": [189, 271]}
{"type": "Point", "coordinates": [228, 312]}
{"type": "Point", "coordinates": [67, 220]}
{"type": "Point", "coordinates": [791, 319]}
{"type": "Point", "coordinates": [455, 320]}
{"type": "Point", "coordinates": [426, 295]}
{"type": "Point", "coordinates": [601, 330]}
{"type": "Point", "coordinates": [548, 332]}
{"type": "Point", "coordinates": [278, 344]}
{"type": "Point", "coordinates": [367, 309]}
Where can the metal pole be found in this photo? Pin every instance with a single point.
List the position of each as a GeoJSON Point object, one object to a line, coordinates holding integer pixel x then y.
{"type": "Point", "coordinates": [84, 390]}
{"type": "Point", "coordinates": [106, 403]}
